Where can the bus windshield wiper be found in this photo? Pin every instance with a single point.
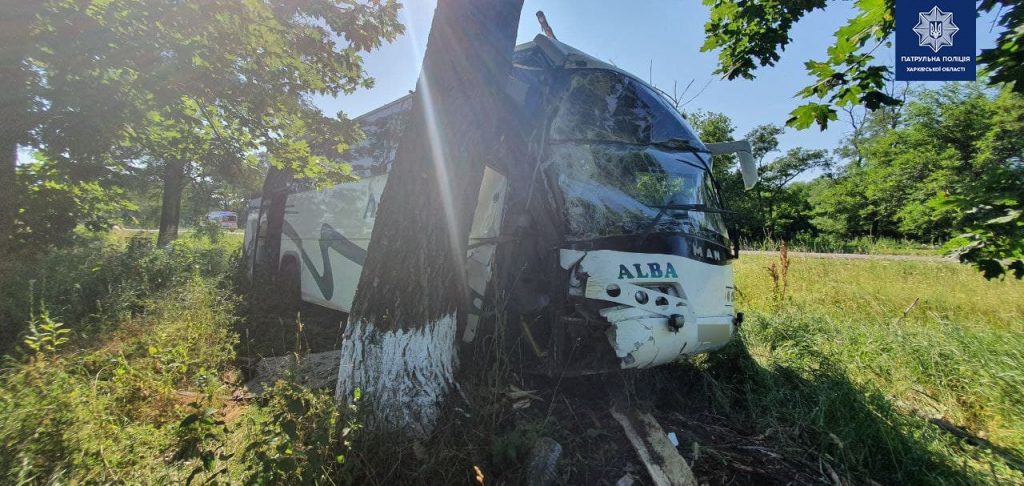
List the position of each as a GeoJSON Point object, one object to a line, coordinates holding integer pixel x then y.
{"type": "Point", "coordinates": [679, 143]}
{"type": "Point", "coordinates": [677, 207]}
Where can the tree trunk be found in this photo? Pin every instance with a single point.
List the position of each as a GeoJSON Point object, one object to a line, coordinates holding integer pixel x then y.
{"type": "Point", "coordinates": [8, 189]}
{"type": "Point", "coordinates": [399, 344]}
{"type": "Point", "coordinates": [170, 207]}
{"type": "Point", "coordinates": [16, 117]}
{"type": "Point", "coordinates": [274, 199]}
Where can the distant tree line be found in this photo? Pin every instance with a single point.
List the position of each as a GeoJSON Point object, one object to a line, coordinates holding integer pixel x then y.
{"type": "Point", "coordinates": [945, 167]}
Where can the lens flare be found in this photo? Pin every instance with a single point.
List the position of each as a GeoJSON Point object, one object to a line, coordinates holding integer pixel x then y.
{"type": "Point", "coordinates": [438, 155]}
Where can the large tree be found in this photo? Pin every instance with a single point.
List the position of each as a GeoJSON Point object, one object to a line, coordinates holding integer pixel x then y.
{"type": "Point", "coordinates": [776, 177]}
{"type": "Point", "coordinates": [775, 207]}
{"type": "Point", "coordinates": [187, 83]}
{"type": "Point", "coordinates": [399, 344]}
{"type": "Point", "coordinates": [17, 102]}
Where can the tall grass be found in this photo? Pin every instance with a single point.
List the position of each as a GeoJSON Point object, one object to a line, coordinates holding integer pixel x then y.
{"type": "Point", "coordinates": [885, 371]}
{"type": "Point", "coordinates": [107, 413]}
{"type": "Point", "coordinates": [103, 278]}
{"type": "Point", "coordinates": [130, 374]}
{"type": "Point", "coordinates": [877, 362]}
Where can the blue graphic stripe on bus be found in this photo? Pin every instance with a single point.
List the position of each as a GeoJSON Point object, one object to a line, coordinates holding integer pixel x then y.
{"type": "Point", "coordinates": [330, 239]}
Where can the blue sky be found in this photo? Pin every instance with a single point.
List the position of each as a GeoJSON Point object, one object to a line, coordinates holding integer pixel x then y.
{"type": "Point", "coordinates": [668, 33]}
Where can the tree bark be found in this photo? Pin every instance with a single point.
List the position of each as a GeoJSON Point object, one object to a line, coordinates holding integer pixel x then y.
{"type": "Point", "coordinates": [170, 206]}
{"type": "Point", "coordinates": [274, 199]}
{"type": "Point", "coordinates": [399, 344]}
{"type": "Point", "coordinates": [16, 118]}
{"type": "Point", "coordinates": [8, 189]}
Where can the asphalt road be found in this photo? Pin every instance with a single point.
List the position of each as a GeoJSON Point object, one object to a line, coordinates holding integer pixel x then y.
{"type": "Point", "coordinates": [856, 256]}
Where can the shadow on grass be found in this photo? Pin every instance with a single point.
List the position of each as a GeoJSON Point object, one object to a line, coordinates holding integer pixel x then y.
{"type": "Point", "coordinates": [799, 418]}
{"type": "Point", "coordinates": [801, 421]}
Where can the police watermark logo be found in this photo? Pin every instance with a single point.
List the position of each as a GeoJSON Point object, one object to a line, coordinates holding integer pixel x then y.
{"type": "Point", "coordinates": [935, 29]}
{"type": "Point", "coordinates": [936, 40]}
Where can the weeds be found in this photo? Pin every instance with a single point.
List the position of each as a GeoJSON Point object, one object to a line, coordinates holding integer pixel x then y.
{"type": "Point", "coordinates": [209, 230]}
{"type": "Point", "coordinates": [141, 389]}
{"type": "Point", "coordinates": [201, 436]}
{"type": "Point", "coordinates": [779, 272]}
{"type": "Point", "coordinates": [103, 279]}
{"type": "Point", "coordinates": [107, 413]}
{"type": "Point", "coordinates": [45, 335]}
{"type": "Point", "coordinates": [299, 436]}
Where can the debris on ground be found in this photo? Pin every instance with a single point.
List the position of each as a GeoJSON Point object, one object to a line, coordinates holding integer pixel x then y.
{"type": "Point", "coordinates": [315, 371]}
{"type": "Point", "coordinates": [543, 462]}
{"type": "Point", "coordinates": [664, 464]}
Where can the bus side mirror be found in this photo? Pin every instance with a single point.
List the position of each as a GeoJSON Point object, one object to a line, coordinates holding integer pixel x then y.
{"type": "Point", "coordinates": [748, 168]}
{"type": "Point", "coordinates": [742, 149]}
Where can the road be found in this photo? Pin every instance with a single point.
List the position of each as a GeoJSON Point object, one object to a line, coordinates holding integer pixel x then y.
{"type": "Point", "coordinates": [856, 256]}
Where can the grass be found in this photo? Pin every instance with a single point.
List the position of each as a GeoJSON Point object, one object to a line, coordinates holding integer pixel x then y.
{"type": "Point", "coordinates": [878, 371]}
{"type": "Point", "coordinates": [863, 358]}
{"type": "Point", "coordinates": [128, 373]}
{"type": "Point", "coordinates": [833, 378]}
{"type": "Point", "coordinates": [107, 411]}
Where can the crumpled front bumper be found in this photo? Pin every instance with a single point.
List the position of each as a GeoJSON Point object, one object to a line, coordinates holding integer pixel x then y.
{"type": "Point", "coordinates": [649, 326]}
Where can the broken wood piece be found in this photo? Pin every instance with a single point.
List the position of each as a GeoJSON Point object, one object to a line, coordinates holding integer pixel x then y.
{"type": "Point", "coordinates": [649, 440]}
{"type": "Point", "coordinates": [907, 310]}
{"type": "Point", "coordinates": [543, 462]}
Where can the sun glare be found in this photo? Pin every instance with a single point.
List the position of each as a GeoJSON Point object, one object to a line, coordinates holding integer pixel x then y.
{"type": "Point", "coordinates": [438, 155]}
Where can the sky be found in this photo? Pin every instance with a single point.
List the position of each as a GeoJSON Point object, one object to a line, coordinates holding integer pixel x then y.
{"type": "Point", "coordinates": [658, 41]}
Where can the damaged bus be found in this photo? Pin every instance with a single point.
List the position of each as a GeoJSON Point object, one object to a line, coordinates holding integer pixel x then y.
{"type": "Point", "coordinates": [609, 249]}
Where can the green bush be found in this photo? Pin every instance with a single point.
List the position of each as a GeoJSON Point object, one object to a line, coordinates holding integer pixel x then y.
{"type": "Point", "coordinates": [108, 412]}
{"type": "Point", "coordinates": [297, 436]}
{"type": "Point", "coordinates": [102, 278]}
{"type": "Point", "coordinates": [141, 387]}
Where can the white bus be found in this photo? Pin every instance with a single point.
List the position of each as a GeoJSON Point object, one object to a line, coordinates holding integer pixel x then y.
{"type": "Point", "coordinates": [610, 249]}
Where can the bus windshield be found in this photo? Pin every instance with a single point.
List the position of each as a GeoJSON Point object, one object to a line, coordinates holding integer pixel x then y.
{"type": "Point", "coordinates": [618, 189]}
{"type": "Point", "coordinates": [607, 106]}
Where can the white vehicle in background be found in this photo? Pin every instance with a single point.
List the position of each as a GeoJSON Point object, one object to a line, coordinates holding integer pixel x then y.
{"type": "Point", "coordinates": [226, 219]}
{"type": "Point", "coordinates": [608, 249]}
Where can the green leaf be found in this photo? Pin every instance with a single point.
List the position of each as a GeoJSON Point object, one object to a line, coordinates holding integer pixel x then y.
{"type": "Point", "coordinates": [803, 116]}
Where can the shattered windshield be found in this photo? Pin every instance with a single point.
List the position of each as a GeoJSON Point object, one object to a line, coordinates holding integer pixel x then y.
{"type": "Point", "coordinates": [614, 189]}
{"type": "Point", "coordinates": [618, 175]}
{"type": "Point", "coordinates": [602, 105]}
